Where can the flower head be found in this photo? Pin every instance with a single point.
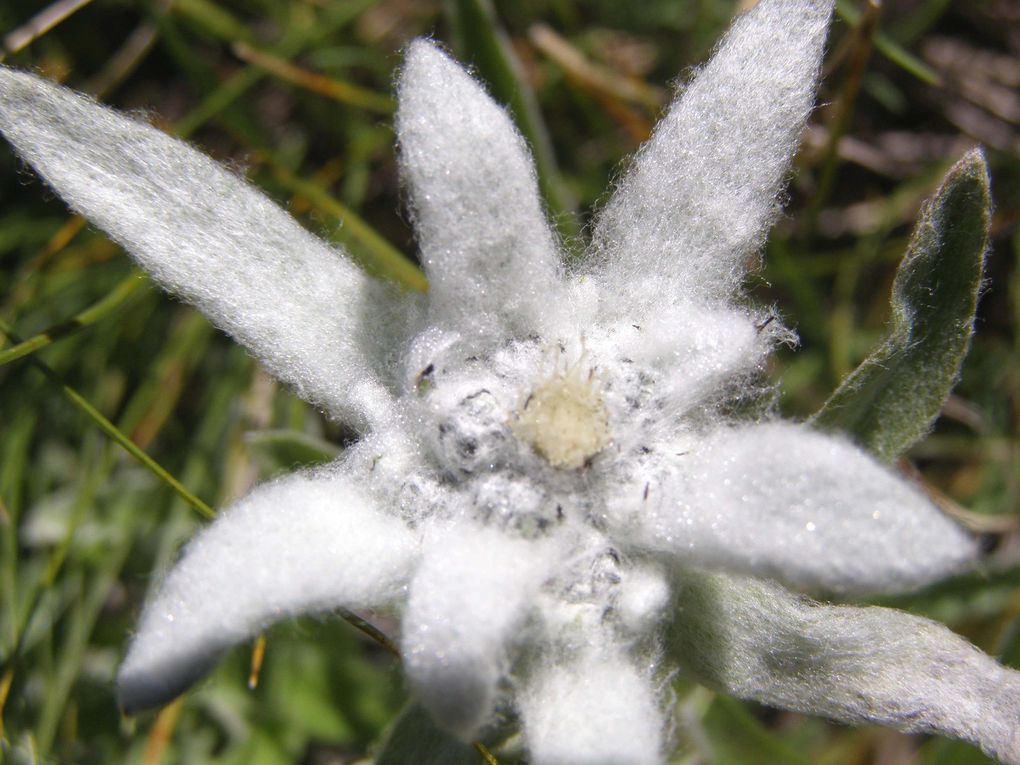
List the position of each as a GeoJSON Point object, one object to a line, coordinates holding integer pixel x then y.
{"type": "Point", "coordinates": [550, 487]}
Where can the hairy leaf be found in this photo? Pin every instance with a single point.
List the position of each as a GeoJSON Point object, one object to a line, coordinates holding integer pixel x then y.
{"type": "Point", "coordinates": [892, 398]}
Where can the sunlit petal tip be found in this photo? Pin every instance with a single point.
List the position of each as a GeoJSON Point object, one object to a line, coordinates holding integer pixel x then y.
{"type": "Point", "coordinates": [303, 544]}
{"type": "Point", "coordinates": [697, 202]}
{"type": "Point", "coordinates": [208, 236]}
{"type": "Point", "coordinates": [488, 250]}
{"type": "Point", "coordinates": [784, 501]}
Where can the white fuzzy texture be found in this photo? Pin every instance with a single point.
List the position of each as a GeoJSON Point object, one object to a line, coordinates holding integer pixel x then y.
{"type": "Point", "coordinates": [697, 351]}
{"type": "Point", "coordinates": [596, 709]}
{"type": "Point", "coordinates": [696, 205]}
{"type": "Point", "coordinates": [467, 601]}
{"type": "Point", "coordinates": [489, 254]}
{"type": "Point", "coordinates": [206, 235]}
{"type": "Point", "coordinates": [534, 569]}
{"type": "Point", "coordinates": [856, 665]}
{"type": "Point", "coordinates": [302, 544]}
{"type": "Point", "coordinates": [812, 510]}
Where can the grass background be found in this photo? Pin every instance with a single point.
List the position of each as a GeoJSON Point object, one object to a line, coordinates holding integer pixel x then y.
{"type": "Point", "coordinates": [83, 526]}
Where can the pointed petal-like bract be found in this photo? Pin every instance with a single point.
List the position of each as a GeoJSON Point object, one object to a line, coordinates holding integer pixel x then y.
{"type": "Point", "coordinates": [595, 710]}
{"type": "Point", "coordinates": [702, 193]}
{"type": "Point", "coordinates": [698, 353]}
{"type": "Point", "coordinates": [303, 544]}
{"type": "Point", "coordinates": [207, 236]}
{"type": "Point", "coordinates": [467, 601]}
{"type": "Point", "coordinates": [858, 665]}
{"type": "Point", "coordinates": [488, 251]}
{"type": "Point", "coordinates": [809, 509]}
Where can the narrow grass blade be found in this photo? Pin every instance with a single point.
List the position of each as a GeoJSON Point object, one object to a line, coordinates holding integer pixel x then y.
{"type": "Point", "coordinates": [115, 433]}
{"type": "Point", "coordinates": [890, 49]}
{"type": "Point", "coordinates": [368, 247]}
{"type": "Point", "coordinates": [212, 19]}
{"type": "Point", "coordinates": [276, 451]}
{"type": "Point", "coordinates": [338, 90]}
{"type": "Point", "coordinates": [79, 321]}
{"type": "Point", "coordinates": [892, 398]}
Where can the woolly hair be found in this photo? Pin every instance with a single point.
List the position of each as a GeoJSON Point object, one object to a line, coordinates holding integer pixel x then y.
{"type": "Point", "coordinates": [695, 206]}
{"type": "Point", "coordinates": [855, 665]}
{"type": "Point", "coordinates": [203, 233]}
{"type": "Point", "coordinates": [307, 543]}
{"type": "Point", "coordinates": [768, 499]}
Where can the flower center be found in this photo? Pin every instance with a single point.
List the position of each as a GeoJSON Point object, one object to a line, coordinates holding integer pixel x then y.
{"type": "Point", "coordinates": [564, 419]}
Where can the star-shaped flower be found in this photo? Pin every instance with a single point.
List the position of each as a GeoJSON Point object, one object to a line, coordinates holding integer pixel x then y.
{"type": "Point", "coordinates": [552, 487]}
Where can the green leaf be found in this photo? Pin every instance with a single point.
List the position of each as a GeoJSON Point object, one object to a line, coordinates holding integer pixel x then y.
{"type": "Point", "coordinates": [892, 398]}
{"type": "Point", "coordinates": [740, 737]}
{"type": "Point", "coordinates": [415, 738]}
{"type": "Point", "coordinates": [79, 321]}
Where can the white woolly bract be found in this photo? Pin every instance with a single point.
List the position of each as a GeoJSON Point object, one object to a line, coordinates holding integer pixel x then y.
{"type": "Point", "coordinates": [810, 509]}
{"type": "Point", "coordinates": [596, 709]}
{"type": "Point", "coordinates": [299, 305]}
{"type": "Point", "coordinates": [467, 604]}
{"type": "Point", "coordinates": [698, 353]}
{"type": "Point", "coordinates": [857, 665]}
{"type": "Point", "coordinates": [303, 544]}
{"type": "Point", "coordinates": [703, 191]}
{"type": "Point", "coordinates": [489, 254]}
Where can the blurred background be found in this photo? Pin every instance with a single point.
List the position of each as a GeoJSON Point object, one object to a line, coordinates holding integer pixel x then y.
{"type": "Point", "coordinates": [297, 95]}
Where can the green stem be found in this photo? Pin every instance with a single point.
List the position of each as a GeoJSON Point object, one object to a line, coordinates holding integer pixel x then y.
{"type": "Point", "coordinates": [79, 321]}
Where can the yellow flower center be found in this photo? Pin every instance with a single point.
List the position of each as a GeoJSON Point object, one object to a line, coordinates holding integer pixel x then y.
{"type": "Point", "coordinates": [564, 419]}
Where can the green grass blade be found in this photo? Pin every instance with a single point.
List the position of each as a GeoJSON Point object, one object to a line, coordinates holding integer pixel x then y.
{"type": "Point", "coordinates": [328, 87]}
{"type": "Point", "coordinates": [86, 613]}
{"type": "Point", "coordinates": [280, 450]}
{"type": "Point", "coordinates": [79, 321]}
{"type": "Point", "coordinates": [375, 254]}
{"type": "Point", "coordinates": [891, 49]}
{"type": "Point", "coordinates": [745, 735]}
{"type": "Point", "coordinates": [892, 398]}
{"type": "Point", "coordinates": [114, 432]}
{"type": "Point", "coordinates": [213, 20]}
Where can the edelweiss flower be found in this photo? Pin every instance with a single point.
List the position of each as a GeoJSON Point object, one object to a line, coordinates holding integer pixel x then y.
{"type": "Point", "coordinates": [551, 487]}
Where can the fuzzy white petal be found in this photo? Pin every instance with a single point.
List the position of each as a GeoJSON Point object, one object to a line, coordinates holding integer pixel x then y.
{"type": "Point", "coordinates": [598, 709]}
{"type": "Point", "coordinates": [784, 501]}
{"type": "Point", "coordinates": [858, 665]}
{"type": "Point", "coordinates": [303, 544]}
{"type": "Point", "coordinates": [208, 236]}
{"type": "Point", "coordinates": [468, 600]}
{"type": "Point", "coordinates": [698, 352]}
{"type": "Point", "coordinates": [702, 193]}
{"type": "Point", "coordinates": [487, 248]}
